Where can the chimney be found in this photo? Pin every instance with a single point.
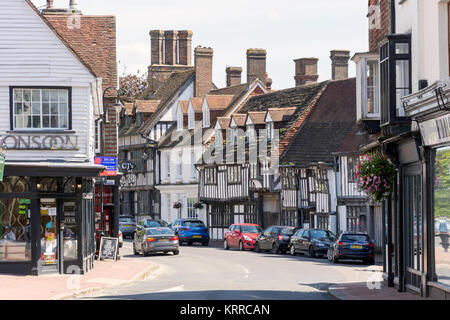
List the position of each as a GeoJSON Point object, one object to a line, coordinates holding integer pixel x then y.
{"type": "Point", "coordinates": [49, 4]}
{"type": "Point", "coordinates": [203, 61]}
{"type": "Point", "coordinates": [170, 40]}
{"type": "Point", "coordinates": [256, 65]}
{"type": "Point", "coordinates": [73, 5]}
{"type": "Point", "coordinates": [339, 64]}
{"type": "Point", "coordinates": [305, 71]}
{"type": "Point", "coordinates": [185, 47]}
{"type": "Point", "coordinates": [156, 39]}
{"type": "Point", "coordinates": [233, 76]}
{"type": "Point", "coordinates": [268, 82]}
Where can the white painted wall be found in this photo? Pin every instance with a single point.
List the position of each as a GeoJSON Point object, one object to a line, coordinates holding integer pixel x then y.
{"type": "Point", "coordinates": [188, 93]}
{"type": "Point", "coordinates": [32, 55]}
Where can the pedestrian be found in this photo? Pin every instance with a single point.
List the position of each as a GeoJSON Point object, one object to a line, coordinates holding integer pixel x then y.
{"type": "Point", "coordinates": [9, 234]}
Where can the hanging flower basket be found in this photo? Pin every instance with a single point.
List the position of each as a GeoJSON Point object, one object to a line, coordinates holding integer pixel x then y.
{"type": "Point", "coordinates": [177, 205]}
{"type": "Point", "coordinates": [198, 205]}
{"type": "Point", "coordinates": [376, 176]}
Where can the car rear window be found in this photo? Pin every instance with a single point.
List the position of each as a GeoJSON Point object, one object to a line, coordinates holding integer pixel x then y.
{"type": "Point", "coordinates": [154, 223]}
{"type": "Point", "coordinates": [287, 231]}
{"type": "Point", "coordinates": [159, 231]}
{"type": "Point", "coordinates": [194, 224]}
{"type": "Point", "coordinates": [321, 234]}
{"type": "Point", "coordinates": [355, 238]}
{"type": "Point", "coordinates": [127, 219]}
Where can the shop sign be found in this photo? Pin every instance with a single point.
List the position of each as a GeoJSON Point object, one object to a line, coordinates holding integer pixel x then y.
{"type": "Point", "coordinates": [436, 131]}
{"type": "Point", "coordinates": [37, 142]}
{"type": "Point", "coordinates": [110, 163]}
{"type": "Point", "coordinates": [127, 166]}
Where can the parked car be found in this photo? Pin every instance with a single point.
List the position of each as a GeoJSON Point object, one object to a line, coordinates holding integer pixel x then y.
{"type": "Point", "coordinates": [315, 242]}
{"type": "Point", "coordinates": [120, 239]}
{"type": "Point", "coordinates": [242, 236]}
{"type": "Point", "coordinates": [157, 239]}
{"type": "Point", "coordinates": [153, 223]}
{"type": "Point", "coordinates": [127, 224]}
{"type": "Point", "coordinates": [352, 245]}
{"type": "Point", "coordinates": [190, 231]}
{"type": "Point", "coordinates": [275, 239]}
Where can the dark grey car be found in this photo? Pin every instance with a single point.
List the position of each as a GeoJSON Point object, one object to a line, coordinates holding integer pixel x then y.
{"type": "Point", "coordinates": [157, 239]}
{"type": "Point", "coordinates": [127, 224]}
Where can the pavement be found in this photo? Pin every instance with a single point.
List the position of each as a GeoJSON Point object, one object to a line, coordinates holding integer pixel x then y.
{"type": "Point", "coordinates": [105, 274]}
{"type": "Point", "coordinates": [361, 291]}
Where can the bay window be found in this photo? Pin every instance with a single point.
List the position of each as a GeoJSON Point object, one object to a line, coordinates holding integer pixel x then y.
{"type": "Point", "coordinates": [368, 91]}
{"type": "Point", "coordinates": [40, 108]}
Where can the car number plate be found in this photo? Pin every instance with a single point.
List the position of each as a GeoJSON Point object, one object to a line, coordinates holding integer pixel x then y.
{"type": "Point", "coordinates": [196, 237]}
{"type": "Point", "coordinates": [127, 226]}
{"type": "Point", "coordinates": [356, 247]}
{"type": "Point", "coordinates": [163, 240]}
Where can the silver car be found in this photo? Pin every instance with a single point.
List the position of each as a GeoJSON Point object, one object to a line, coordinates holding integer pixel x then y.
{"type": "Point", "coordinates": [158, 239]}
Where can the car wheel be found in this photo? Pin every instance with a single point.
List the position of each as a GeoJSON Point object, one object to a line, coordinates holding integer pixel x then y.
{"type": "Point", "coordinates": [241, 246]}
{"type": "Point", "coordinates": [257, 248]}
{"type": "Point", "coordinates": [330, 255]}
{"type": "Point", "coordinates": [175, 253]}
{"type": "Point", "coordinates": [335, 258]}
{"type": "Point", "coordinates": [225, 244]}
{"type": "Point", "coordinates": [312, 253]}
{"type": "Point", "coordinates": [275, 248]}
{"type": "Point", "coordinates": [292, 250]}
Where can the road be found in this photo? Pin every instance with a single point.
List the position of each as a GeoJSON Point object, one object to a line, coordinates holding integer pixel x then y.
{"type": "Point", "coordinates": [212, 273]}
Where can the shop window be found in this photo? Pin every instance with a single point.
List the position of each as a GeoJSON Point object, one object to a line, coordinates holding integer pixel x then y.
{"type": "Point", "coordinates": [38, 109]}
{"type": "Point", "coordinates": [395, 76]}
{"type": "Point", "coordinates": [353, 218]}
{"type": "Point", "coordinates": [322, 222]}
{"type": "Point", "coordinates": [48, 185]}
{"type": "Point", "coordinates": [15, 230]}
{"type": "Point", "coordinates": [442, 215]}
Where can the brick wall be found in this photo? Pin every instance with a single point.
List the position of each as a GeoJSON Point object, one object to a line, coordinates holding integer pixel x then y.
{"type": "Point", "coordinates": [110, 148]}
{"type": "Point", "coordinates": [203, 61]}
{"type": "Point", "coordinates": [382, 25]}
{"type": "Point", "coordinates": [256, 65]}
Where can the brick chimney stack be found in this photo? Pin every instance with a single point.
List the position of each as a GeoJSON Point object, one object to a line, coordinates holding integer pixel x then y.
{"type": "Point", "coordinates": [233, 76]}
{"type": "Point", "coordinates": [305, 71]}
{"type": "Point", "coordinates": [156, 39]}
{"type": "Point", "coordinates": [256, 65]}
{"type": "Point", "coordinates": [185, 47]}
{"type": "Point", "coordinates": [203, 62]}
{"type": "Point", "coordinates": [339, 64]}
{"type": "Point", "coordinates": [170, 38]}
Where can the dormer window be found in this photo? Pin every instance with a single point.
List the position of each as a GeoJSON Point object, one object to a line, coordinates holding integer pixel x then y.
{"type": "Point", "coordinates": [219, 138]}
{"type": "Point", "coordinates": [179, 119]}
{"type": "Point", "coordinates": [395, 77]}
{"type": "Point", "coordinates": [205, 109]}
{"type": "Point", "coordinates": [251, 134]}
{"type": "Point", "coordinates": [234, 135]}
{"type": "Point", "coordinates": [270, 128]}
{"type": "Point", "coordinates": [191, 119]}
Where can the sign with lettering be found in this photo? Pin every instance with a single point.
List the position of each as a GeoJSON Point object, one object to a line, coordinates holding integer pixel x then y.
{"type": "Point", "coordinates": [38, 142]}
{"type": "Point", "coordinates": [127, 166]}
{"type": "Point", "coordinates": [108, 248]}
{"type": "Point", "coordinates": [110, 163]}
{"type": "Point", "coordinates": [436, 131]}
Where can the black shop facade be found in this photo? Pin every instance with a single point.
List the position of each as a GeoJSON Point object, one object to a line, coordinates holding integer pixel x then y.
{"type": "Point", "coordinates": [47, 222]}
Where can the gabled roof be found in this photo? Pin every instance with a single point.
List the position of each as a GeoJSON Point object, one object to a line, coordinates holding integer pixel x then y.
{"type": "Point", "coordinates": [224, 122]}
{"type": "Point", "coordinates": [281, 114]}
{"type": "Point", "coordinates": [184, 104]}
{"type": "Point", "coordinates": [327, 128]}
{"type": "Point", "coordinates": [218, 102]}
{"type": "Point", "coordinates": [257, 117]}
{"type": "Point", "coordinates": [94, 42]}
{"type": "Point", "coordinates": [129, 107]}
{"type": "Point", "coordinates": [239, 119]}
{"type": "Point", "coordinates": [197, 104]}
{"type": "Point", "coordinates": [147, 106]}
{"type": "Point", "coordinates": [63, 40]}
{"type": "Point", "coordinates": [166, 93]}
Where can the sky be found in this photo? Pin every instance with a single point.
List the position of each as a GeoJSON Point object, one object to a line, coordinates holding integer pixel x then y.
{"type": "Point", "coordinates": [287, 29]}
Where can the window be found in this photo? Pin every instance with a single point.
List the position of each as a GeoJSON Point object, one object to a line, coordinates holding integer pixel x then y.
{"type": "Point", "coordinates": [372, 93]}
{"type": "Point", "coordinates": [289, 179]}
{"type": "Point", "coordinates": [353, 214]}
{"type": "Point", "coordinates": [234, 174]}
{"type": "Point", "coordinates": [320, 181]}
{"type": "Point", "coordinates": [205, 117]}
{"type": "Point", "coordinates": [442, 215]}
{"type": "Point", "coordinates": [251, 134]}
{"type": "Point", "coordinates": [98, 135]}
{"type": "Point", "coordinates": [167, 166]}
{"type": "Point", "coordinates": [219, 138]}
{"type": "Point", "coordinates": [40, 108]}
{"type": "Point", "coordinates": [323, 222]}
{"type": "Point", "coordinates": [191, 211]}
{"type": "Point", "coordinates": [210, 176]}
{"type": "Point", "coordinates": [253, 171]}
{"type": "Point", "coordinates": [352, 166]}
{"type": "Point", "coordinates": [270, 131]}
{"type": "Point", "coordinates": [139, 159]}
{"type": "Point", "coordinates": [234, 135]}
{"type": "Point", "coordinates": [179, 119]}
{"type": "Point", "coordinates": [193, 169]}
{"type": "Point", "coordinates": [395, 76]}
{"type": "Point", "coordinates": [191, 120]}
{"type": "Point", "coordinates": [144, 202]}
{"type": "Point", "coordinates": [180, 165]}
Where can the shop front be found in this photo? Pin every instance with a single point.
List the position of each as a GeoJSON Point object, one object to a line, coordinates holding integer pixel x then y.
{"type": "Point", "coordinates": [429, 224]}
{"type": "Point", "coordinates": [47, 218]}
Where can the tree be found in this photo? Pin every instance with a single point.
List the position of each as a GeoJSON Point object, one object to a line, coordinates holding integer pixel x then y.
{"type": "Point", "coordinates": [131, 86]}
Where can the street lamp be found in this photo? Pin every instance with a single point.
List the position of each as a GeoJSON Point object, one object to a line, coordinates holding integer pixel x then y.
{"type": "Point", "coordinates": [118, 106]}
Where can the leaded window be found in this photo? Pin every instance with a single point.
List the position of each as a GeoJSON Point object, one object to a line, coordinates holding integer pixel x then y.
{"type": "Point", "coordinates": [210, 176]}
{"type": "Point", "coordinates": [234, 174]}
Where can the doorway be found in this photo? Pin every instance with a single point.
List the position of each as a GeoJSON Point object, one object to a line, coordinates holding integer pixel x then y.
{"type": "Point", "coordinates": [49, 237]}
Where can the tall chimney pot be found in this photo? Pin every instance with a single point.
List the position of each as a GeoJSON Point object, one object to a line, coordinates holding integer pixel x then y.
{"type": "Point", "coordinates": [203, 63]}
{"type": "Point", "coordinates": [305, 71]}
{"type": "Point", "coordinates": [339, 64]}
{"type": "Point", "coordinates": [233, 76]}
{"type": "Point", "coordinates": [256, 65]}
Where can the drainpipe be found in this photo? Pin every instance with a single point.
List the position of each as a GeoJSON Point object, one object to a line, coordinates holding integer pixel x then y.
{"type": "Point", "coordinates": [336, 187]}
{"type": "Point", "coordinates": [392, 16]}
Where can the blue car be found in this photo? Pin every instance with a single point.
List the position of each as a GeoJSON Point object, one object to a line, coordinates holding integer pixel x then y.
{"type": "Point", "coordinates": [190, 231]}
{"type": "Point", "coordinates": [352, 245]}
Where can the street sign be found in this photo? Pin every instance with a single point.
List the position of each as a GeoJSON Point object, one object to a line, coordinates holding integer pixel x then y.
{"type": "Point", "coordinates": [110, 163]}
{"type": "Point", "coordinates": [127, 166]}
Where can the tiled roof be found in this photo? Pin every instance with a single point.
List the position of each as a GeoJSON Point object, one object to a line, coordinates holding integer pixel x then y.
{"type": "Point", "coordinates": [184, 104]}
{"type": "Point", "coordinates": [218, 102]}
{"type": "Point", "coordinates": [165, 93]}
{"type": "Point", "coordinates": [232, 90]}
{"type": "Point", "coordinates": [197, 104]}
{"type": "Point", "coordinates": [94, 42]}
{"type": "Point", "coordinates": [224, 122]}
{"type": "Point", "coordinates": [129, 106]}
{"type": "Point", "coordinates": [257, 117]}
{"type": "Point", "coordinates": [147, 106]}
{"type": "Point", "coordinates": [328, 128]}
{"type": "Point", "coordinates": [281, 114]}
{"type": "Point", "coordinates": [240, 119]}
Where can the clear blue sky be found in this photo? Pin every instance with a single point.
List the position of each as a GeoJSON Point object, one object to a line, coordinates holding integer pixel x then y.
{"type": "Point", "coordinates": [287, 29]}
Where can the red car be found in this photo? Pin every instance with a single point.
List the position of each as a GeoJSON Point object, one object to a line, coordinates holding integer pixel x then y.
{"type": "Point", "coordinates": [242, 236]}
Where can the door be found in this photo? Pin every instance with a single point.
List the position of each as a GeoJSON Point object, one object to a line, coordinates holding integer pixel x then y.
{"type": "Point", "coordinates": [412, 222]}
{"type": "Point", "coordinates": [235, 236]}
{"type": "Point", "coordinates": [50, 255]}
{"type": "Point", "coordinates": [304, 241]}
{"type": "Point", "coordinates": [296, 238]}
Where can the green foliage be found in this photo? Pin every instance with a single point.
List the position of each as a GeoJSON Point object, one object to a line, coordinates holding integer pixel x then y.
{"type": "Point", "coordinates": [376, 176]}
{"type": "Point", "coordinates": [442, 183]}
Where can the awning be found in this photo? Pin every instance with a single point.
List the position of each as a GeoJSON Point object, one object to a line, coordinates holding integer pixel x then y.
{"type": "Point", "coordinates": [52, 169]}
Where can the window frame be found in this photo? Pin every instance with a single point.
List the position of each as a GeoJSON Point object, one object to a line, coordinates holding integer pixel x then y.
{"type": "Point", "coordinates": [234, 174]}
{"type": "Point", "coordinates": [69, 108]}
{"type": "Point", "coordinates": [210, 176]}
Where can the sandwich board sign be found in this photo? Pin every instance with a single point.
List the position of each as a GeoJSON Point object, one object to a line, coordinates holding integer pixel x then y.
{"type": "Point", "coordinates": [108, 248]}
